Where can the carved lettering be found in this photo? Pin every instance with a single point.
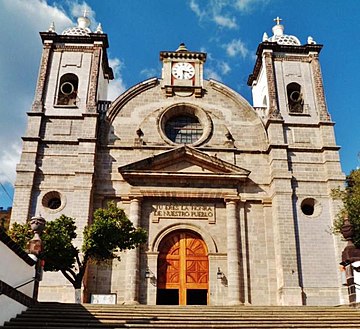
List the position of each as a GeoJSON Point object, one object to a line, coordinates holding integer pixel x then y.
{"type": "Point", "coordinates": [183, 211]}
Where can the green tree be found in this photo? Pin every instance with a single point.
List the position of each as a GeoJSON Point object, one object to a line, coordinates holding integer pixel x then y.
{"type": "Point", "coordinates": [351, 205]}
{"type": "Point", "coordinates": [110, 233]}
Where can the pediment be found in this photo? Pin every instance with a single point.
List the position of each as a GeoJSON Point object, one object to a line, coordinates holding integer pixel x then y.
{"type": "Point", "coordinates": [182, 166]}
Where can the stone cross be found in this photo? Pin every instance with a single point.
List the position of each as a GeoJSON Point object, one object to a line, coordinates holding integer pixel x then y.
{"type": "Point", "coordinates": [277, 20]}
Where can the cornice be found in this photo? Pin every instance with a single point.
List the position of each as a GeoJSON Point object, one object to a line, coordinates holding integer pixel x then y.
{"type": "Point", "coordinates": [274, 49]}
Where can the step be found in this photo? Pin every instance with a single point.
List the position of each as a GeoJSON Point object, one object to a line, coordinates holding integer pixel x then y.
{"type": "Point", "coordinates": [57, 315]}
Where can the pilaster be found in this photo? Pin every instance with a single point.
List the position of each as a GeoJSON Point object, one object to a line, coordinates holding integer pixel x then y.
{"type": "Point", "coordinates": [319, 88]}
{"type": "Point", "coordinates": [233, 252]}
{"type": "Point", "coordinates": [38, 103]}
{"type": "Point", "coordinates": [132, 258]}
{"type": "Point", "coordinates": [274, 112]}
{"type": "Point", "coordinates": [94, 77]}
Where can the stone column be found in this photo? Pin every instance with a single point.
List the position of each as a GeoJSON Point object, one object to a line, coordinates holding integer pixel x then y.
{"type": "Point", "coordinates": [132, 258]}
{"type": "Point", "coordinates": [233, 253]}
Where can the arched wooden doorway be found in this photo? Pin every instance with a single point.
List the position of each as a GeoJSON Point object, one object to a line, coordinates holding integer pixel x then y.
{"type": "Point", "coordinates": [183, 270]}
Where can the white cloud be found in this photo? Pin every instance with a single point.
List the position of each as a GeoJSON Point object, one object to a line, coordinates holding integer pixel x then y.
{"type": "Point", "coordinates": [224, 67]}
{"type": "Point", "coordinates": [210, 73]}
{"type": "Point", "coordinates": [194, 6]}
{"type": "Point", "coordinates": [9, 157]}
{"type": "Point", "coordinates": [149, 73]}
{"type": "Point", "coordinates": [213, 11]}
{"type": "Point", "coordinates": [116, 86]}
{"type": "Point", "coordinates": [236, 47]}
{"type": "Point", "coordinates": [78, 9]}
{"type": "Point", "coordinates": [219, 11]}
{"type": "Point", "coordinates": [224, 21]}
{"type": "Point", "coordinates": [247, 5]}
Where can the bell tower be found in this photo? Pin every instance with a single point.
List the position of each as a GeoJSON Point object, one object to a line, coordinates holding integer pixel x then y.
{"type": "Point", "coordinates": [288, 95]}
{"type": "Point", "coordinates": [56, 169]}
{"type": "Point", "coordinates": [286, 81]}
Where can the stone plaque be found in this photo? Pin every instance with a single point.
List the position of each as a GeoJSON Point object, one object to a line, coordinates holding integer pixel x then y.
{"type": "Point", "coordinates": [103, 299]}
{"type": "Point", "coordinates": [169, 210]}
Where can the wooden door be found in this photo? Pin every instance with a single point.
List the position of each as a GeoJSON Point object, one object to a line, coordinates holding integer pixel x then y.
{"type": "Point", "coordinates": [183, 264]}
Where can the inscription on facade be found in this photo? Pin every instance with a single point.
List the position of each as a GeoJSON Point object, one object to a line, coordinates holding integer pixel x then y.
{"type": "Point", "coordinates": [183, 211]}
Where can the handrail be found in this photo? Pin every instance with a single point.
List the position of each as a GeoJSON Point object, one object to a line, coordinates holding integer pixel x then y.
{"type": "Point", "coordinates": [16, 295]}
{"type": "Point", "coordinates": [22, 284]}
{"type": "Point", "coordinates": [25, 283]}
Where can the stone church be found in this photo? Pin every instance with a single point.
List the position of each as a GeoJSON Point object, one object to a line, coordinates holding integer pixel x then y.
{"type": "Point", "coordinates": [235, 197]}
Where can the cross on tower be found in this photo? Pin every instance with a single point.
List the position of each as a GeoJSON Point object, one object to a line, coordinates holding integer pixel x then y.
{"type": "Point", "coordinates": [277, 20]}
{"type": "Point", "coordinates": [86, 12]}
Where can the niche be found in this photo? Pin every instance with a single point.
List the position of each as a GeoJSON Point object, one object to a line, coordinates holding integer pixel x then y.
{"type": "Point", "coordinates": [68, 89]}
{"type": "Point", "coordinates": [295, 98]}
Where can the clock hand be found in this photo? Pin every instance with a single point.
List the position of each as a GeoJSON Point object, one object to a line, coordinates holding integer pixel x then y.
{"type": "Point", "coordinates": [184, 71]}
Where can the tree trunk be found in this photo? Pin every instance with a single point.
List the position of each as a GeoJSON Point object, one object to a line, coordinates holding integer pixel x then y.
{"type": "Point", "coordinates": [77, 287]}
{"type": "Point", "coordinates": [78, 296]}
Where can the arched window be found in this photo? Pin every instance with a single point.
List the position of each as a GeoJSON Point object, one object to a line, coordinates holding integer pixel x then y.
{"type": "Point", "coordinates": [295, 98]}
{"type": "Point", "coordinates": [68, 89]}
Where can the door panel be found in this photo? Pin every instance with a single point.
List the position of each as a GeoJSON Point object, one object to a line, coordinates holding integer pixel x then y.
{"type": "Point", "coordinates": [183, 264]}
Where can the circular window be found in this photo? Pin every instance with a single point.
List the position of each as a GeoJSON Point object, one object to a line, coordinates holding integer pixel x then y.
{"type": "Point", "coordinates": [53, 201]}
{"type": "Point", "coordinates": [310, 207]}
{"type": "Point", "coordinates": [183, 129]}
{"type": "Point", "coordinates": [185, 124]}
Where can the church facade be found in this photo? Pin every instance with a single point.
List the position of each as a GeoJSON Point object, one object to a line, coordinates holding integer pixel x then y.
{"type": "Point", "coordinates": [235, 197]}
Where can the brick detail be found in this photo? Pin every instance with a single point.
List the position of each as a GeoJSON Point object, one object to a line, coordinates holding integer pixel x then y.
{"type": "Point", "coordinates": [40, 88]}
{"type": "Point", "coordinates": [319, 88]}
{"type": "Point", "coordinates": [94, 76]}
{"type": "Point", "coordinates": [274, 112]}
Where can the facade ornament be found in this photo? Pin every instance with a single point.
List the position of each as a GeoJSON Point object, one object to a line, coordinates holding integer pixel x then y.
{"type": "Point", "coordinates": [311, 41]}
{"type": "Point", "coordinates": [99, 29]}
{"type": "Point", "coordinates": [265, 37]}
{"type": "Point", "coordinates": [350, 261]}
{"type": "Point", "coordinates": [52, 28]}
{"type": "Point", "coordinates": [279, 37]}
{"type": "Point", "coordinates": [35, 245]}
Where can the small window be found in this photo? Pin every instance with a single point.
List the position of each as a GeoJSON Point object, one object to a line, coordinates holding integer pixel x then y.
{"type": "Point", "coordinates": [311, 207]}
{"type": "Point", "coordinates": [295, 98]}
{"type": "Point", "coordinates": [68, 89]}
{"type": "Point", "coordinates": [183, 129]}
{"type": "Point", "coordinates": [53, 201]}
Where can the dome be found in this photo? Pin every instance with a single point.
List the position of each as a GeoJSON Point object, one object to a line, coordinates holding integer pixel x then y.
{"type": "Point", "coordinates": [280, 38]}
{"type": "Point", "coordinates": [82, 29]}
{"type": "Point", "coordinates": [285, 40]}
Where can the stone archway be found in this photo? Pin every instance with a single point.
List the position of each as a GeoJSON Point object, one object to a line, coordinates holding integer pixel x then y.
{"type": "Point", "coordinates": [183, 269]}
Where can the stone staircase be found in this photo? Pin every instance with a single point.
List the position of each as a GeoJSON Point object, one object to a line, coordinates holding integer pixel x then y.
{"type": "Point", "coordinates": [56, 315]}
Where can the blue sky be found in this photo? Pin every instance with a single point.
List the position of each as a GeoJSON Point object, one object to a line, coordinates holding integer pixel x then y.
{"type": "Point", "coordinates": [228, 30]}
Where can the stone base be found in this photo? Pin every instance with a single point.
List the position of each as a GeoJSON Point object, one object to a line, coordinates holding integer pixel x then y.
{"type": "Point", "coordinates": [290, 296]}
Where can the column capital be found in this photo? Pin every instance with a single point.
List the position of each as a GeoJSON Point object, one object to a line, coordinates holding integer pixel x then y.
{"type": "Point", "coordinates": [232, 199]}
{"type": "Point", "coordinates": [136, 197]}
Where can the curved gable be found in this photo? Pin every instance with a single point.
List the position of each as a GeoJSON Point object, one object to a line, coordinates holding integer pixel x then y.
{"type": "Point", "coordinates": [230, 121]}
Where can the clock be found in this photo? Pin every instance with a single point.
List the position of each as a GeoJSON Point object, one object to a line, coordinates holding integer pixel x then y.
{"type": "Point", "coordinates": [183, 70]}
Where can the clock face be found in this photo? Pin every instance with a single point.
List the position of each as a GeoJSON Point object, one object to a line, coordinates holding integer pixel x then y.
{"type": "Point", "coordinates": [183, 70]}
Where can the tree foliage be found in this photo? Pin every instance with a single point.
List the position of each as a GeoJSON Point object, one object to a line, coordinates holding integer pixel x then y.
{"type": "Point", "coordinates": [351, 205]}
{"type": "Point", "coordinates": [110, 232]}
